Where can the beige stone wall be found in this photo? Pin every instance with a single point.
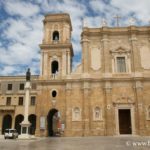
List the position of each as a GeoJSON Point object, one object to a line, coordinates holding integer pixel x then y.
{"type": "Point", "coordinates": [96, 81]}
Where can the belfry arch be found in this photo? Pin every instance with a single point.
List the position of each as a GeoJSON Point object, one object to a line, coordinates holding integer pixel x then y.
{"type": "Point", "coordinates": [54, 67]}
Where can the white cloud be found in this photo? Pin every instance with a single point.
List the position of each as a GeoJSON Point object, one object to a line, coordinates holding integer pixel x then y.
{"type": "Point", "coordinates": [7, 70]}
{"type": "Point", "coordinates": [21, 8]}
{"type": "Point", "coordinates": [23, 29]}
{"type": "Point", "coordinates": [139, 8]}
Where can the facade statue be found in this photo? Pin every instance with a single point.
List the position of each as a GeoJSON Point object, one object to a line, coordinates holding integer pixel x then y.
{"type": "Point", "coordinates": [28, 75]}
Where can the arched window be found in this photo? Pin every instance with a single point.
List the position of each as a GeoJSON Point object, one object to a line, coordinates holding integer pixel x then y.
{"type": "Point", "coordinates": [76, 116]}
{"type": "Point", "coordinates": [54, 67]}
{"type": "Point", "coordinates": [97, 113]}
{"type": "Point", "coordinates": [55, 36]}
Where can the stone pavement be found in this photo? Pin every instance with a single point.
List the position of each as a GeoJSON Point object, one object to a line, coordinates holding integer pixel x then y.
{"type": "Point", "coordinates": [78, 143]}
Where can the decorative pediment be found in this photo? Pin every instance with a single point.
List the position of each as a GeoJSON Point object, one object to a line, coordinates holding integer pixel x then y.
{"type": "Point", "coordinates": [120, 50]}
{"type": "Point", "coordinates": [123, 99]}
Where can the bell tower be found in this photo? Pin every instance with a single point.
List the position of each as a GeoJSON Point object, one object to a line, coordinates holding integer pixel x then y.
{"type": "Point", "coordinates": [56, 47]}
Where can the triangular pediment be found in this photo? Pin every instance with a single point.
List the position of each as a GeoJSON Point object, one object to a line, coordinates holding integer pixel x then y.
{"type": "Point", "coordinates": [120, 49]}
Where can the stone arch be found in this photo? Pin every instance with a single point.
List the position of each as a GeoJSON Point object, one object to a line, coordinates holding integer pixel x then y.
{"type": "Point", "coordinates": [54, 67]}
{"type": "Point", "coordinates": [32, 120]}
{"type": "Point", "coordinates": [19, 118]}
{"type": "Point", "coordinates": [7, 122]}
{"type": "Point", "coordinates": [55, 36]}
{"type": "Point", "coordinates": [53, 122]}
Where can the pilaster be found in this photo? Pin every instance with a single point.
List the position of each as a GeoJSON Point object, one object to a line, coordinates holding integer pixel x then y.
{"type": "Point", "coordinates": [109, 128]}
{"type": "Point", "coordinates": [45, 66]}
{"type": "Point", "coordinates": [64, 63]}
{"type": "Point", "coordinates": [136, 66]}
{"type": "Point", "coordinates": [85, 55]}
{"type": "Point", "coordinates": [106, 56]}
{"type": "Point", "coordinates": [140, 107]}
{"type": "Point", "coordinates": [68, 125]}
{"type": "Point", "coordinates": [68, 62]}
{"type": "Point", "coordinates": [86, 109]}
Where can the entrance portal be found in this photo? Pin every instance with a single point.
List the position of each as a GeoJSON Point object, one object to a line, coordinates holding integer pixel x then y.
{"type": "Point", "coordinates": [7, 122]}
{"type": "Point", "coordinates": [18, 120]}
{"type": "Point", "coordinates": [52, 121]}
{"type": "Point", "coordinates": [32, 120]}
{"type": "Point", "coordinates": [125, 121]}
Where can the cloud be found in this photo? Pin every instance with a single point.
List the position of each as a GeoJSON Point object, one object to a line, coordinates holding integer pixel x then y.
{"type": "Point", "coordinates": [22, 29]}
{"type": "Point", "coordinates": [21, 8]}
{"type": "Point", "coordinates": [140, 9]}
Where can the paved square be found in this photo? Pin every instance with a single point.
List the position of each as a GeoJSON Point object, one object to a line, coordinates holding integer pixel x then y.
{"type": "Point", "coordinates": [78, 143]}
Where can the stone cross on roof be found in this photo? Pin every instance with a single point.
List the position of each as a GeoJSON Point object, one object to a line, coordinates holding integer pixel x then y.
{"type": "Point", "coordinates": [117, 17]}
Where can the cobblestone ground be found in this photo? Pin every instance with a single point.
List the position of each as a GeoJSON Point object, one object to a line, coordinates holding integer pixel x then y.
{"type": "Point", "coordinates": [78, 143]}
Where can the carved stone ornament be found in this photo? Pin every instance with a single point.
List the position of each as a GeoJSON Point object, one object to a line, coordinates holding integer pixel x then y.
{"type": "Point", "coordinates": [124, 99]}
{"type": "Point", "coordinates": [120, 50]}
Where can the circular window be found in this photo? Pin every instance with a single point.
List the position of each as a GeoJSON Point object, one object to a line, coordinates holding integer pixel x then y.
{"type": "Point", "coordinates": [54, 93]}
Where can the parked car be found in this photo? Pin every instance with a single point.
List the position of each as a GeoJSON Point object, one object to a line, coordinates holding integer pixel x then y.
{"type": "Point", "coordinates": [10, 133]}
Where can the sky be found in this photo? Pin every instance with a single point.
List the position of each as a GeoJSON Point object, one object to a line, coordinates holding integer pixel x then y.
{"type": "Point", "coordinates": [21, 26]}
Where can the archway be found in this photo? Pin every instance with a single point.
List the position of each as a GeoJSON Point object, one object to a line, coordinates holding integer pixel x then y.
{"type": "Point", "coordinates": [32, 120]}
{"type": "Point", "coordinates": [55, 36]}
{"type": "Point", "coordinates": [52, 122]}
{"type": "Point", "coordinates": [7, 122]}
{"type": "Point", "coordinates": [18, 120]}
{"type": "Point", "coordinates": [54, 67]}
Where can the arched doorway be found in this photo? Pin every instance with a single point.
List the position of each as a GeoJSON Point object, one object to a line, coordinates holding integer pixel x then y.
{"type": "Point", "coordinates": [7, 122]}
{"type": "Point", "coordinates": [53, 122]}
{"type": "Point", "coordinates": [18, 120]}
{"type": "Point", "coordinates": [32, 120]}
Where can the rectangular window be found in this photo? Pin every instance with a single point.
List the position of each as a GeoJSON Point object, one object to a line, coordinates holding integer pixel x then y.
{"type": "Point", "coordinates": [33, 100]}
{"type": "Point", "coordinates": [9, 87]}
{"type": "Point", "coordinates": [8, 101]}
{"type": "Point", "coordinates": [121, 64]}
{"type": "Point", "coordinates": [20, 101]}
{"type": "Point", "coordinates": [21, 86]}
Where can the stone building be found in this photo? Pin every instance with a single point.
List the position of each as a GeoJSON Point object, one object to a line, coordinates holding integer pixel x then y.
{"type": "Point", "coordinates": [107, 94]}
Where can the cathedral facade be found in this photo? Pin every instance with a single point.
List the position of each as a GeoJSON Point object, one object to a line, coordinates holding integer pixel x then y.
{"type": "Point", "coordinates": [107, 94]}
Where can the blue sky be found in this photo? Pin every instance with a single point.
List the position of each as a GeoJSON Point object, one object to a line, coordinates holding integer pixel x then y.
{"type": "Point", "coordinates": [21, 26]}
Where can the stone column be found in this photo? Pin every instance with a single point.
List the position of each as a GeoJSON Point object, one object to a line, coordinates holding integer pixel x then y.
{"type": "Point", "coordinates": [109, 112]}
{"type": "Point", "coordinates": [140, 117]}
{"type": "Point", "coordinates": [135, 54]}
{"type": "Point", "coordinates": [86, 113]}
{"type": "Point", "coordinates": [68, 64]}
{"type": "Point", "coordinates": [64, 63]}
{"type": "Point", "coordinates": [68, 124]}
{"type": "Point", "coordinates": [85, 55]}
{"type": "Point", "coordinates": [41, 63]}
{"type": "Point", "coordinates": [45, 66]}
{"type": "Point", "coordinates": [25, 124]}
{"type": "Point", "coordinates": [106, 65]}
